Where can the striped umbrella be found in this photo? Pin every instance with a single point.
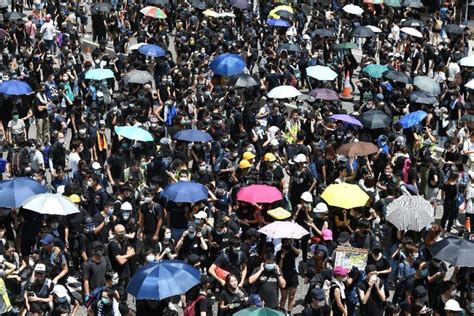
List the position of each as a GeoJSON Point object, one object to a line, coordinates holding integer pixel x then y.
{"type": "Point", "coordinates": [153, 12]}
{"type": "Point", "coordinates": [375, 70]}
{"type": "Point", "coordinates": [410, 213]}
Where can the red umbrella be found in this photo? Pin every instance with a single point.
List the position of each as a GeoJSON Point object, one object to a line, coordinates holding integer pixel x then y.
{"type": "Point", "coordinates": [259, 193]}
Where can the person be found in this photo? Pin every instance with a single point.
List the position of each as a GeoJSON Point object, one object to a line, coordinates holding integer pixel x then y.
{"type": "Point", "coordinates": [337, 294]}
{"type": "Point", "coordinates": [38, 294]}
{"type": "Point", "coordinates": [318, 305]}
{"type": "Point", "coordinates": [286, 260]}
{"type": "Point", "coordinates": [94, 270]}
{"type": "Point", "coordinates": [453, 308]}
{"type": "Point", "coordinates": [233, 260]}
{"type": "Point", "coordinates": [371, 292]}
{"type": "Point", "coordinates": [232, 298]}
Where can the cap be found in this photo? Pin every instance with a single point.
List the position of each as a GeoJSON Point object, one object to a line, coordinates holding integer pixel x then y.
{"type": "Point", "coordinates": [340, 271]}
{"type": "Point", "coordinates": [40, 267]}
{"type": "Point", "coordinates": [47, 239]}
{"type": "Point", "coordinates": [343, 237]}
{"type": "Point", "coordinates": [248, 155]}
{"type": "Point", "coordinates": [269, 157]}
{"type": "Point", "coordinates": [317, 293]}
{"type": "Point", "coordinates": [321, 207]}
{"type": "Point", "coordinates": [453, 306]}
{"type": "Point", "coordinates": [307, 197]}
{"type": "Point", "coordinates": [326, 234]}
{"type": "Point", "coordinates": [252, 232]}
{"type": "Point", "coordinates": [420, 294]}
{"type": "Point", "coordinates": [244, 164]}
{"type": "Point", "coordinates": [254, 299]}
{"type": "Point", "coordinates": [126, 206]}
{"type": "Point", "coordinates": [74, 198]}
{"type": "Point", "coordinates": [315, 248]}
{"type": "Point", "coordinates": [97, 244]}
{"type": "Point", "coordinates": [96, 165]}
{"type": "Point", "coordinates": [200, 215]}
{"type": "Point", "coordinates": [300, 158]}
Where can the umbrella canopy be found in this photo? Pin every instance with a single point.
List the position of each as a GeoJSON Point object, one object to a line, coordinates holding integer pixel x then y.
{"type": "Point", "coordinates": [14, 15]}
{"type": "Point", "coordinates": [50, 204]}
{"type": "Point", "coordinates": [14, 192]}
{"type": "Point", "coordinates": [467, 118]}
{"type": "Point", "coordinates": [455, 29]}
{"type": "Point", "coordinates": [375, 119]}
{"type": "Point", "coordinates": [393, 3]}
{"type": "Point", "coordinates": [185, 192]}
{"type": "Point", "coordinates": [353, 9]}
{"type": "Point", "coordinates": [243, 81]}
{"type": "Point", "coordinates": [228, 65]}
{"type": "Point", "coordinates": [240, 4]}
{"type": "Point", "coordinates": [323, 33]}
{"type": "Point", "coordinates": [101, 7]}
{"type": "Point", "coordinates": [15, 87]}
{"type": "Point", "coordinates": [374, 29]}
{"type": "Point", "coordinates": [363, 31]}
{"type": "Point", "coordinates": [198, 5]}
{"type": "Point", "coordinates": [281, 11]}
{"type": "Point", "coordinates": [279, 213]}
{"type": "Point", "coordinates": [413, 118]}
{"type": "Point", "coordinates": [398, 76]}
{"type": "Point", "coordinates": [470, 84]}
{"type": "Point", "coordinates": [467, 61]}
{"type": "Point", "coordinates": [413, 4]}
{"type": "Point", "coordinates": [321, 73]}
{"type": "Point", "coordinates": [411, 31]}
{"type": "Point", "coordinates": [427, 84]}
{"type": "Point", "coordinates": [99, 74]}
{"type": "Point", "coordinates": [346, 118]}
{"type": "Point", "coordinates": [324, 94]}
{"type": "Point", "coordinates": [413, 23]}
{"type": "Point", "coordinates": [289, 47]}
{"type": "Point", "coordinates": [375, 70]}
{"type": "Point", "coordinates": [153, 12]}
{"type": "Point", "coordinates": [159, 280]}
{"type": "Point", "coordinates": [193, 135]}
{"type": "Point", "coordinates": [139, 76]}
{"type": "Point", "coordinates": [151, 50]}
{"type": "Point", "coordinates": [410, 213]}
{"type": "Point", "coordinates": [345, 195]}
{"type": "Point", "coordinates": [283, 92]}
{"type": "Point", "coordinates": [423, 97]}
{"type": "Point", "coordinates": [134, 133]}
{"type": "Point", "coordinates": [211, 13]}
{"type": "Point", "coordinates": [258, 311]}
{"type": "Point", "coordinates": [278, 23]}
{"type": "Point", "coordinates": [259, 193]}
{"type": "Point", "coordinates": [357, 149]}
{"type": "Point", "coordinates": [285, 229]}
{"type": "Point", "coordinates": [135, 46]}
{"type": "Point", "coordinates": [346, 45]}
{"type": "Point", "coordinates": [457, 251]}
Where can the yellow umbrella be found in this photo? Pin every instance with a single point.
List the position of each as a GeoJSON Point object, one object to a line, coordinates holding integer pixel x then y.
{"type": "Point", "coordinates": [212, 14]}
{"type": "Point", "coordinates": [279, 213]}
{"type": "Point", "coordinates": [273, 13]}
{"type": "Point", "coordinates": [345, 195]}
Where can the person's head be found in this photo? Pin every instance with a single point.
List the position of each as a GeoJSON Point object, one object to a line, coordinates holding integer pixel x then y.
{"type": "Point", "coordinates": [452, 308]}
{"type": "Point", "coordinates": [340, 273]}
{"type": "Point", "coordinates": [98, 249]}
{"type": "Point", "coordinates": [107, 297]}
{"type": "Point", "coordinates": [119, 232]}
{"type": "Point", "coordinates": [88, 224]}
{"type": "Point", "coordinates": [392, 309]}
{"type": "Point", "coordinates": [388, 170]}
{"type": "Point", "coordinates": [318, 298]}
{"type": "Point", "coordinates": [363, 226]}
{"type": "Point", "coordinates": [269, 261]}
{"type": "Point", "coordinates": [231, 282]}
{"type": "Point", "coordinates": [307, 200]}
{"type": "Point", "coordinates": [47, 242]}
{"type": "Point", "coordinates": [235, 243]}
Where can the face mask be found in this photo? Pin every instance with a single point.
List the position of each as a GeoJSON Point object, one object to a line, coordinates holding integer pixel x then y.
{"type": "Point", "coordinates": [110, 212]}
{"type": "Point", "coordinates": [220, 191]}
{"type": "Point", "coordinates": [89, 184]}
{"type": "Point", "coordinates": [183, 179]}
{"type": "Point", "coordinates": [197, 221]}
{"type": "Point", "coordinates": [120, 236]}
{"type": "Point", "coordinates": [425, 273]}
{"type": "Point", "coordinates": [150, 258]}
{"type": "Point", "coordinates": [61, 140]}
{"type": "Point", "coordinates": [167, 236]}
{"type": "Point", "coordinates": [126, 216]}
{"type": "Point", "coordinates": [15, 117]}
{"type": "Point", "coordinates": [236, 249]}
{"type": "Point", "coordinates": [376, 252]}
{"type": "Point", "coordinates": [98, 253]}
{"type": "Point", "coordinates": [54, 225]}
{"type": "Point", "coordinates": [320, 303]}
{"type": "Point", "coordinates": [192, 235]}
{"type": "Point", "coordinates": [219, 233]}
{"type": "Point", "coordinates": [202, 169]}
{"type": "Point", "coordinates": [147, 199]}
{"type": "Point", "coordinates": [269, 266]}
{"type": "Point", "coordinates": [105, 301]}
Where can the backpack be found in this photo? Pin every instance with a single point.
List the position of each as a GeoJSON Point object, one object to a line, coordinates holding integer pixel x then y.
{"type": "Point", "coordinates": [216, 168]}
{"type": "Point", "coordinates": [19, 159]}
{"type": "Point", "coordinates": [190, 309]}
{"type": "Point", "coordinates": [94, 297]}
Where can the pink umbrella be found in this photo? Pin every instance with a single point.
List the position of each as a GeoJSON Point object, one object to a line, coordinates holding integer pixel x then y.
{"type": "Point", "coordinates": [284, 230]}
{"type": "Point", "coordinates": [259, 193]}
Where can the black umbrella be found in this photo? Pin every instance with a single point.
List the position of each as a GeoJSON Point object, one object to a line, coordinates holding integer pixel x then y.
{"type": "Point", "coordinates": [14, 16]}
{"type": "Point", "coordinates": [323, 33]}
{"type": "Point", "coordinates": [375, 119]}
{"type": "Point", "coordinates": [423, 97]}
{"type": "Point", "coordinates": [397, 76]}
{"type": "Point", "coordinates": [243, 81]}
{"type": "Point", "coordinates": [459, 252]}
{"type": "Point", "coordinates": [283, 14]}
{"type": "Point", "coordinates": [101, 7]}
{"type": "Point", "coordinates": [289, 47]}
{"type": "Point", "coordinates": [413, 23]}
{"type": "Point", "coordinates": [363, 31]}
{"type": "Point", "coordinates": [306, 9]}
{"type": "Point", "coordinates": [455, 29]}
{"type": "Point", "coordinates": [198, 5]}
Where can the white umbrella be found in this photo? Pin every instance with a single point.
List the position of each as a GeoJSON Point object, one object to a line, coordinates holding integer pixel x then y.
{"type": "Point", "coordinates": [470, 84]}
{"type": "Point", "coordinates": [353, 9]}
{"type": "Point", "coordinates": [321, 73]}
{"type": "Point", "coordinates": [374, 29]}
{"type": "Point", "coordinates": [135, 46]}
{"type": "Point", "coordinates": [467, 61]}
{"type": "Point", "coordinates": [50, 204]}
{"type": "Point", "coordinates": [411, 31]}
{"type": "Point", "coordinates": [283, 92]}
{"type": "Point", "coordinates": [410, 213]}
{"type": "Point", "coordinates": [283, 230]}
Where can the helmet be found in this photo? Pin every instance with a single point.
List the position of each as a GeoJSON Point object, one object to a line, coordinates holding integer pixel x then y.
{"type": "Point", "coordinates": [307, 197]}
{"type": "Point", "coordinates": [126, 206]}
{"type": "Point", "coordinates": [300, 158]}
{"type": "Point", "coordinates": [74, 198]}
{"type": "Point", "coordinates": [452, 305]}
{"type": "Point", "coordinates": [269, 157]}
{"type": "Point", "coordinates": [248, 155]}
{"type": "Point", "coordinates": [244, 164]}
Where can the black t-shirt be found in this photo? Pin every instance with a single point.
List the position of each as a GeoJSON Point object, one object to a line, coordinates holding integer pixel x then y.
{"type": "Point", "coordinates": [267, 287]}
{"type": "Point", "coordinates": [381, 264]}
{"type": "Point", "coordinates": [204, 305]}
{"type": "Point", "coordinates": [103, 235]}
{"type": "Point", "coordinates": [151, 214]}
{"type": "Point", "coordinates": [323, 311]}
{"type": "Point", "coordinates": [237, 300]}
{"type": "Point", "coordinates": [95, 272]}
{"type": "Point", "coordinates": [374, 305]}
{"type": "Point", "coordinates": [118, 249]}
{"type": "Point", "coordinates": [84, 243]}
{"type": "Point", "coordinates": [231, 261]}
{"type": "Point", "coordinates": [204, 179]}
{"type": "Point", "coordinates": [289, 264]}
{"type": "Point", "coordinates": [177, 214]}
{"type": "Point", "coordinates": [301, 180]}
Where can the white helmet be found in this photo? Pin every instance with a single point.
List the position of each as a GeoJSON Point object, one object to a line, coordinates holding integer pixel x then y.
{"type": "Point", "coordinates": [307, 197]}
{"type": "Point", "coordinates": [453, 306]}
{"type": "Point", "coordinates": [300, 158]}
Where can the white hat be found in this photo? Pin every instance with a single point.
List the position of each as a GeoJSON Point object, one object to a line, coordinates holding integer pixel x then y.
{"type": "Point", "coordinates": [321, 207]}
{"type": "Point", "coordinates": [200, 215]}
{"type": "Point", "coordinates": [96, 165]}
{"type": "Point", "coordinates": [453, 306]}
{"type": "Point", "coordinates": [307, 197]}
{"type": "Point", "coordinates": [40, 267]}
{"type": "Point", "coordinates": [300, 158]}
{"type": "Point", "coordinates": [126, 206]}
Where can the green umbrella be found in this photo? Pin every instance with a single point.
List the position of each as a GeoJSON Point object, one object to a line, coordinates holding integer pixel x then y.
{"type": "Point", "coordinates": [345, 45]}
{"type": "Point", "coordinates": [258, 311]}
{"type": "Point", "coordinates": [393, 3]}
{"type": "Point", "coordinates": [375, 70]}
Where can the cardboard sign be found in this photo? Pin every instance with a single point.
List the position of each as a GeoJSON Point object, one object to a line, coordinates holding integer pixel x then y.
{"type": "Point", "coordinates": [349, 257]}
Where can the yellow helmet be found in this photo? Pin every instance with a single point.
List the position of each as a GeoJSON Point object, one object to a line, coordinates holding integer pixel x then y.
{"type": "Point", "coordinates": [248, 155]}
{"type": "Point", "coordinates": [269, 157]}
{"type": "Point", "coordinates": [244, 164]}
{"type": "Point", "coordinates": [75, 198]}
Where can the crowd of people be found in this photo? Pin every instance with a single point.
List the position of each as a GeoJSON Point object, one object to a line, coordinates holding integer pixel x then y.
{"type": "Point", "coordinates": [63, 136]}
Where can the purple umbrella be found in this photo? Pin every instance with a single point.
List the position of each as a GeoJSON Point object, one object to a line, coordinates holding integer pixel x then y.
{"type": "Point", "coordinates": [346, 118]}
{"type": "Point", "coordinates": [240, 4]}
{"type": "Point", "coordinates": [324, 94]}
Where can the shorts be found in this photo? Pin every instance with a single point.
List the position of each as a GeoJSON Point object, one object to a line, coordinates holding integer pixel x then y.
{"type": "Point", "coordinates": [291, 281]}
{"type": "Point", "coordinates": [83, 20]}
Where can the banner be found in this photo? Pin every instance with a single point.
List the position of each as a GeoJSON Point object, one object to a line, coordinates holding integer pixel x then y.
{"type": "Point", "coordinates": [349, 257]}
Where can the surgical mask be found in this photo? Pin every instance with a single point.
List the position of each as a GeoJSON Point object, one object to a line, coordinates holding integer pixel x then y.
{"type": "Point", "coordinates": [167, 236]}
{"type": "Point", "coordinates": [110, 211]}
{"type": "Point", "coordinates": [150, 258]}
{"type": "Point", "coordinates": [197, 221]}
{"type": "Point", "coordinates": [89, 183]}
{"type": "Point", "coordinates": [147, 199]}
{"type": "Point", "coordinates": [307, 204]}
{"type": "Point", "coordinates": [185, 178]}
{"type": "Point", "coordinates": [61, 140]}
{"type": "Point", "coordinates": [236, 249]}
{"type": "Point", "coordinates": [219, 233]}
{"type": "Point", "coordinates": [54, 225]}
{"type": "Point", "coordinates": [425, 273]}
{"type": "Point", "coordinates": [320, 303]}
{"type": "Point", "coordinates": [15, 117]}
{"type": "Point", "coordinates": [202, 169]}
{"type": "Point", "coordinates": [269, 266]}
{"type": "Point", "coordinates": [126, 215]}
{"type": "Point", "coordinates": [192, 235]}
{"type": "Point", "coordinates": [105, 301]}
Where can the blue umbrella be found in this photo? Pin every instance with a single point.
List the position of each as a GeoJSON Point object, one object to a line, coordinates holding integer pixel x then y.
{"type": "Point", "coordinates": [159, 280]}
{"type": "Point", "coordinates": [228, 65]}
{"type": "Point", "coordinates": [15, 87]}
{"type": "Point", "coordinates": [15, 191]}
{"type": "Point", "coordinates": [152, 50]}
{"type": "Point", "coordinates": [185, 192]}
{"type": "Point", "coordinates": [193, 135]}
{"type": "Point", "coordinates": [134, 133]}
{"type": "Point", "coordinates": [99, 74]}
{"type": "Point", "coordinates": [277, 22]}
{"type": "Point", "coordinates": [412, 118]}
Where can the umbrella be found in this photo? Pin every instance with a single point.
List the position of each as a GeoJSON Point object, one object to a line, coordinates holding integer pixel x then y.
{"type": "Point", "coordinates": [345, 45]}
{"type": "Point", "coordinates": [413, 4]}
{"type": "Point", "coordinates": [50, 204]}
{"type": "Point", "coordinates": [353, 9]}
{"type": "Point", "coordinates": [185, 192]}
{"type": "Point", "coordinates": [15, 191]}
{"type": "Point", "coordinates": [345, 195]}
{"type": "Point", "coordinates": [373, 1]}
{"type": "Point", "coordinates": [283, 92]}
{"type": "Point", "coordinates": [278, 23]}
{"type": "Point", "coordinates": [139, 76]}
{"type": "Point", "coordinates": [279, 213]}
{"type": "Point", "coordinates": [321, 73]}
{"type": "Point", "coordinates": [324, 94]}
{"type": "Point", "coordinates": [285, 229]}
{"type": "Point", "coordinates": [152, 50]}
{"type": "Point", "coordinates": [392, 3]}
{"type": "Point", "coordinates": [193, 135]}
{"type": "Point", "coordinates": [413, 118]}
{"type": "Point", "coordinates": [453, 28]}
{"type": "Point", "coordinates": [259, 193]}
{"type": "Point", "coordinates": [374, 29]}
{"type": "Point", "coordinates": [398, 76]}
{"type": "Point", "coordinates": [243, 81]}
{"type": "Point", "coordinates": [101, 7]}
{"type": "Point", "coordinates": [198, 5]}
{"type": "Point", "coordinates": [153, 12]}
{"type": "Point", "coordinates": [427, 84]}
{"type": "Point", "coordinates": [258, 311]}
{"type": "Point", "coordinates": [375, 70]}
{"type": "Point", "coordinates": [411, 31]}
{"type": "Point", "coordinates": [413, 23]}
{"type": "Point", "coordinates": [14, 16]}
{"type": "Point", "coordinates": [410, 213]}
{"type": "Point", "coordinates": [136, 46]}
{"type": "Point", "coordinates": [211, 13]}
{"type": "Point", "coordinates": [467, 61]}
{"type": "Point", "coordinates": [467, 118]}
{"type": "Point", "coordinates": [346, 118]}
{"type": "Point", "coordinates": [15, 87]}
{"type": "Point", "coordinates": [290, 47]}
{"type": "Point", "coordinates": [374, 119]}
{"type": "Point", "coordinates": [240, 4]}
{"type": "Point", "coordinates": [423, 97]}
{"type": "Point", "coordinates": [363, 31]}
{"type": "Point", "coordinates": [99, 74]}
{"type": "Point", "coordinates": [159, 280]}
{"type": "Point", "coordinates": [457, 251]}
{"type": "Point", "coordinates": [357, 149]}
{"type": "Point", "coordinates": [323, 33]}
{"type": "Point", "coordinates": [134, 133]}
{"type": "Point", "coordinates": [228, 65]}
{"type": "Point", "coordinates": [281, 11]}
{"type": "Point", "coordinates": [470, 84]}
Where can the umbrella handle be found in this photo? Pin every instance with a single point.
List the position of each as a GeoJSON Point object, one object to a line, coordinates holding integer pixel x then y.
{"type": "Point", "coordinates": [50, 188]}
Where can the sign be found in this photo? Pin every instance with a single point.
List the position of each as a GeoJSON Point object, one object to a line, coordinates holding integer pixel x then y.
{"type": "Point", "coordinates": [349, 257]}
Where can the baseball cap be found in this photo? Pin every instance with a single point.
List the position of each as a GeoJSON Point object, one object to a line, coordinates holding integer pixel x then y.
{"type": "Point", "coordinates": [317, 293]}
{"type": "Point", "coordinates": [47, 239]}
{"type": "Point", "coordinates": [326, 234]}
{"type": "Point", "coordinates": [340, 271]}
{"type": "Point", "coordinates": [40, 267]}
{"type": "Point", "coordinates": [254, 299]}
{"type": "Point", "coordinates": [252, 232]}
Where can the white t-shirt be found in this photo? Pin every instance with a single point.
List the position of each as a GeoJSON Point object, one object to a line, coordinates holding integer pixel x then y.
{"type": "Point", "coordinates": [74, 159]}
{"type": "Point", "coordinates": [48, 30]}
